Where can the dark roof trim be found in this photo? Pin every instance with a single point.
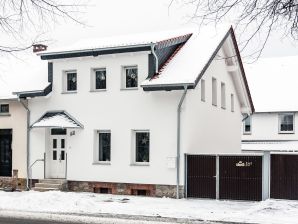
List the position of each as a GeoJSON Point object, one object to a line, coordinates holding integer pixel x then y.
{"type": "Point", "coordinates": [36, 93]}
{"type": "Point", "coordinates": [168, 87]}
{"type": "Point", "coordinates": [94, 52]}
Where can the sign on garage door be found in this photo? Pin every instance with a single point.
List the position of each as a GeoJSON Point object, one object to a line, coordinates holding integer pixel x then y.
{"type": "Point", "coordinates": [284, 176]}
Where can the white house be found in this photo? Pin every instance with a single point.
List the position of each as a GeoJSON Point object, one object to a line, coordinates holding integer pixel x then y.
{"type": "Point", "coordinates": [119, 114]}
{"type": "Point", "coordinates": [272, 129]}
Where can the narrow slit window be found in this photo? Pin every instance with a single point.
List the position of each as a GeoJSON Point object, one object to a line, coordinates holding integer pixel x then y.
{"type": "Point", "coordinates": [232, 103]}
{"type": "Point", "coordinates": [203, 94]}
{"type": "Point", "coordinates": [223, 95]}
{"type": "Point", "coordinates": [247, 125]}
{"type": "Point", "coordinates": [214, 92]}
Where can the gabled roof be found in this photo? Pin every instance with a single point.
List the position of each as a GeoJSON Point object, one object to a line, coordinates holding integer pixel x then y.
{"type": "Point", "coordinates": [189, 63]}
{"type": "Point", "coordinates": [117, 44]}
{"type": "Point", "coordinates": [56, 119]}
{"type": "Point", "coordinates": [273, 83]}
{"type": "Point", "coordinates": [22, 73]}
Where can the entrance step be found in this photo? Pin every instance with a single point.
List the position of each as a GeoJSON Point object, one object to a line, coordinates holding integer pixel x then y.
{"type": "Point", "coordinates": [51, 185]}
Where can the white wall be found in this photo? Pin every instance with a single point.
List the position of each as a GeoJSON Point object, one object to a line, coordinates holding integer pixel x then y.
{"type": "Point", "coordinates": [205, 128]}
{"type": "Point", "coordinates": [17, 121]}
{"type": "Point", "coordinates": [264, 126]}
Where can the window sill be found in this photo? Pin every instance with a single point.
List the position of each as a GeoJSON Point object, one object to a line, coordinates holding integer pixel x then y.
{"type": "Point", "coordinates": [246, 133]}
{"type": "Point", "coordinates": [133, 88]}
{"type": "Point", "coordinates": [140, 164]}
{"type": "Point", "coordinates": [98, 90]}
{"type": "Point", "coordinates": [286, 132]}
{"type": "Point", "coordinates": [5, 114]}
{"type": "Point", "coordinates": [215, 105]}
{"type": "Point", "coordinates": [102, 163]}
{"type": "Point", "coordinates": [223, 108]}
{"type": "Point", "coordinates": [69, 92]}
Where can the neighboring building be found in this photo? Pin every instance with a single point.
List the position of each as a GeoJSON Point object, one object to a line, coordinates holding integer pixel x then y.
{"type": "Point", "coordinates": [272, 129]}
{"type": "Point", "coordinates": [109, 119]}
{"type": "Point", "coordinates": [13, 118]}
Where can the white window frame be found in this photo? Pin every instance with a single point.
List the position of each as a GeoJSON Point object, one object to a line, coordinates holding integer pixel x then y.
{"type": "Point", "coordinates": [279, 123]}
{"type": "Point", "coordinates": [223, 95]}
{"type": "Point", "coordinates": [214, 91]}
{"type": "Point", "coordinates": [64, 81]}
{"type": "Point", "coordinates": [133, 147]}
{"type": "Point", "coordinates": [244, 131]}
{"type": "Point", "coordinates": [96, 147]}
{"type": "Point", "coordinates": [123, 77]}
{"type": "Point", "coordinates": [93, 79]}
{"type": "Point", "coordinates": [203, 90]}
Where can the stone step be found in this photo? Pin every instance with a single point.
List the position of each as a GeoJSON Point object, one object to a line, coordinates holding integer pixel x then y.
{"type": "Point", "coordinates": [43, 189]}
{"type": "Point", "coordinates": [48, 185]}
{"type": "Point", "coordinates": [53, 181]}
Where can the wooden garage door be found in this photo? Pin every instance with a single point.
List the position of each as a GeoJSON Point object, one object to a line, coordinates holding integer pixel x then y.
{"type": "Point", "coordinates": [284, 177]}
{"type": "Point", "coordinates": [240, 177]}
{"type": "Point", "coordinates": [201, 179]}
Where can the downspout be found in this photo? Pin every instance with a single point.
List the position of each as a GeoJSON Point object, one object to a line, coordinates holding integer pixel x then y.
{"type": "Point", "coordinates": [178, 140]}
{"type": "Point", "coordinates": [155, 56]}
{"type": "Point", "coordinates": [28, 143]}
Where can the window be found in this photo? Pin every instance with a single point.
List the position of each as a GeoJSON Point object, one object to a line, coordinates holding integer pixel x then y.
{"type": "Point", "coordinates": [142, 145]}
{"type": "Point", "coordinates": [130, 77]}
{"type": "Point", "coordinates": [70, 83]}
{"type": "Point", "coordinates": [214, 92]}
{"type": "Point", "coordinates": [203, 97]}
{"type": "Point", "coordinates": [223, 95]}
{"type": "Point", "coordinates": [4, 108]}
{"type": "Point", "coordinates": [100, 79]}
{"type": "Point", "coordinates": [286, 123]}
{"type": "Point", "coordinates": [232, 103]}
{"type": "Point", "coordinates": [247, 125]}
{"type": "Point", "coordinates": [104, 146]}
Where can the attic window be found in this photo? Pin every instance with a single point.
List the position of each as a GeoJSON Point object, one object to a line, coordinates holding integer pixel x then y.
{"type": "Point", "coordinates": [130, 77]}
{"type": "Point", "coordinates": [4, 108]}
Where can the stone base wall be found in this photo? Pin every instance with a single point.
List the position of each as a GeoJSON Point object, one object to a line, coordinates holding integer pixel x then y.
{"type": "Point", "coordinates": [14, 183]}
{"type": "Point", "coordinates": [125, 188]}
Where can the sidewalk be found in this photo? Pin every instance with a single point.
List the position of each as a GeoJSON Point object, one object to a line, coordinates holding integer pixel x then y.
{"type": "Point", "coordinates": [138, 208]}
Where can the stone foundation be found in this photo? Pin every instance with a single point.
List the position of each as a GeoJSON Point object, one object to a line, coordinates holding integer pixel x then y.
{"type": "Point", "coordinates": [125, 188]}
{"type": "Point", "coordinates": [10, 182]}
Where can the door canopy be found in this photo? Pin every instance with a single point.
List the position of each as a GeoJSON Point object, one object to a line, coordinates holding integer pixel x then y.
{"type": "Point", "coordinates": [56, 119]}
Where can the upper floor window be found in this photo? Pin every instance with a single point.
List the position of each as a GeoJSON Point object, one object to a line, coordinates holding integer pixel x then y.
{"type": "Point", "coordinates": [214, 92]}
{"type": "Point", "coordinates": [4, 108]}
{"type": "Point", "coordinates": [223, 95]}
{"type": "Point", "coordinates": [203, 94]}
{"type": "Point", "coordinates": [247, 125]}
{"type": "Point", "coordinates": [99, 79]}
{"type": "Point", "coordinates": [70, 81]}
{"type": "Point", "coordinates": [286, 123]}
{"type": "Point", "coordinates": [130, 77]}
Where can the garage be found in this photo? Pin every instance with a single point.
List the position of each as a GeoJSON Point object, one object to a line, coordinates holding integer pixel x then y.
{"type": "Point", "coordinates": [235, 177]}
{"type": "Point", "coordinates": [284, 176]}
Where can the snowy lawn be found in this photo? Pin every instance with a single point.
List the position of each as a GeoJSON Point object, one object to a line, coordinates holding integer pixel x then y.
{"type": "Point", "coordinates": [270, 211]}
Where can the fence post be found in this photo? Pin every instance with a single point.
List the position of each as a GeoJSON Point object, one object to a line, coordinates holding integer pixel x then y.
{"type": "Point", "coordinates": [217, 177]}
{"type": "Point", "coordinates": [266, 176]}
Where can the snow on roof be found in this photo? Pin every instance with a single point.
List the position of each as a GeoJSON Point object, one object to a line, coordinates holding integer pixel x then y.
{"type": "Point", "coordinates": [119, 41]}
{"type": "Point", "coordinates": [190, 60]}
{"type": "Point", "coordinates": [56, 119]}
{"type": "Point", "coordinates": [273, 83]}
{"type": "Point", "coordinates": [283, 146]}
{"type": "Point", "coordinates": [22, 73]}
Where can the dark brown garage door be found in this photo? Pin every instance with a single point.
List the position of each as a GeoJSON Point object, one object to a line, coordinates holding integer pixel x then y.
{"type": "Point", "coordinates": [284, 177]}
{"type": "Point", "coordinates": [201, 179]}
{"type": "Point", "coordinates": [240, 177]}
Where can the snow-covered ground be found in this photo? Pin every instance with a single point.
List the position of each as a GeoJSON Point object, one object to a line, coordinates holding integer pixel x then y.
{"type": "Point", "coordinates": [270, 211]}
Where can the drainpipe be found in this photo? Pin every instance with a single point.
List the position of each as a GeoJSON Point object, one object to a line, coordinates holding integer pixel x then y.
{"type": "Point", "coordinates": [155, 56]}
{"type": "Point", "coordinates": [28, 143]}
{"type": "Point", "coordinates": [178, 140]}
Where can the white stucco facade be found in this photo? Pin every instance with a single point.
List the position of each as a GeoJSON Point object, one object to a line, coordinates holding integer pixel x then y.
{"type": "Point", "coordinates": [205, 128]}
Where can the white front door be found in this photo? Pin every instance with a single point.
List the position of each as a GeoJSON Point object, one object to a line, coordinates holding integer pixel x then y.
{"type": "Point", "coordinates": [57, 155]}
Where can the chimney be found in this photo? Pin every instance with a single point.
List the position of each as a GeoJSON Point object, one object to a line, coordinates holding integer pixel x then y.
{"type": "Point", "coordinates": [39, 48]}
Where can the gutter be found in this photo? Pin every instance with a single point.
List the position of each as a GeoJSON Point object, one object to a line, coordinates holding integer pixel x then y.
{"type": "Point", "coordinates": [155, 56]}
{"type": "Point", "coordinates": [178, 140]}
{"type": "Point", "coordinates": [28, 142]}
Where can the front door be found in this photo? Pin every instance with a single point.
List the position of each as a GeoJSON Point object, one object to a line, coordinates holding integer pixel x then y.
{"type": "Point", "coordinates": [5, 152]}
{"type": "Point", "coordinates": [57, 155]}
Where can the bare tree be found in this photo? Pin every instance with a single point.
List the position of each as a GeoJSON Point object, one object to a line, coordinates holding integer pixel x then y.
{"type": "Point", "coordinates": [254, 20]}
{"type": "Point", "coordinates": [23, 22]}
